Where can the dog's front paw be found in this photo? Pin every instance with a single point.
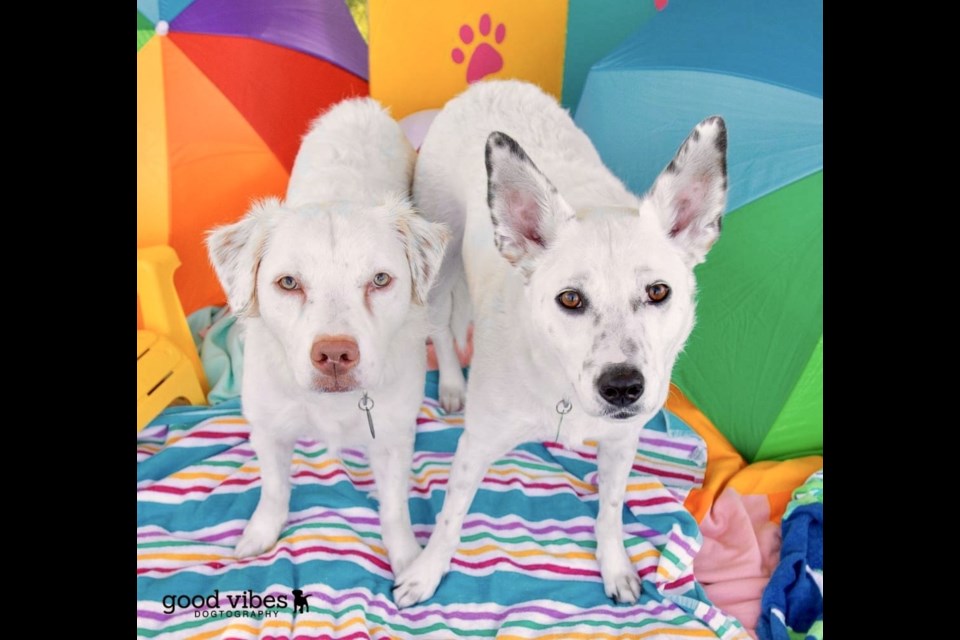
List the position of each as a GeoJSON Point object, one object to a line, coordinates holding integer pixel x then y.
{"type": "Point", "coordinates": [620, 579]}
{"type": "Point", "coordinates": [419, 581]}
{"type": "Point", "coordinates": [403, 555]}
{"type": "Point", "coordinates": [259, 536]}
{"type": "Point", "coordinates": [453, 395]}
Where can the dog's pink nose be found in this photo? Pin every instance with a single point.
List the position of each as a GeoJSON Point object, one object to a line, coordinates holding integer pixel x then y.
{"type": "Point", "coordinates": [335, 355]}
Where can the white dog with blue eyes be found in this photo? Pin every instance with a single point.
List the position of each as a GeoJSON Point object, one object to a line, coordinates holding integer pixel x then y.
{"type": "Point", "coordinates": [331, 286]}
{"type": "Point", "coordinates": [582, 296]}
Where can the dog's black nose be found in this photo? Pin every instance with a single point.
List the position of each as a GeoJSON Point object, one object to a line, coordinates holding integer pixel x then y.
{"type": "Point", "coordinates": [620, 385]}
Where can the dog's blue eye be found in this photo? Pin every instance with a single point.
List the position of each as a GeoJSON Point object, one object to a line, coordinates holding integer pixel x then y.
{"type": "Point", "coordinates": [570, 299]}
{"type": "Point", "coordinates": [382, 279]}
{"type": "Point", "coordinates": [289, 283]}
{"type": "Point", "coordinates": [658, 292]}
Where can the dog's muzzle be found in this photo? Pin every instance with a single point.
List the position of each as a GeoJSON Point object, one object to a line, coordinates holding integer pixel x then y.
{"type": "Point", "coordinates": [334, 358]}
{"type": "Point", "coordinates": [620, 386]}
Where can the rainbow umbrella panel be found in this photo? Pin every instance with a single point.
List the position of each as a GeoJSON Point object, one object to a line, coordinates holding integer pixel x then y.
{"type": "Point", "coordinates": [225, 90]}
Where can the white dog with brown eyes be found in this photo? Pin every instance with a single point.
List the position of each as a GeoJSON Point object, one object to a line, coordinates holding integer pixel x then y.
{"type": "Point", "coordinates": [582, 296]}
{"type": "Point", "coordinates": [331, 286]}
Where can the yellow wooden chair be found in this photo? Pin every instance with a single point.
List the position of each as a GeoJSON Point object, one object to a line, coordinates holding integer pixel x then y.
{"type": "Point", "coordinates": [168, 365]}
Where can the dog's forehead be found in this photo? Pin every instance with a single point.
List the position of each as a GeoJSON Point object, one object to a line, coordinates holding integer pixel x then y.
{"type": "Point", "coordinates": [610, 245]}
{"type": "Point", "coordinates": [341, 232]}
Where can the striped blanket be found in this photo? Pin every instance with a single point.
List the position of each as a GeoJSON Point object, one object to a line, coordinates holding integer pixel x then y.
{"type": "Point", "coordinates": [526, 567]}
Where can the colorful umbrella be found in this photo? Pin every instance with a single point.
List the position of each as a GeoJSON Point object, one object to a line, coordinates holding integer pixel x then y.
{"type": "Point", "coordinates": [225, 90]}
{"type": "Point", "coordinates": [754, 361]}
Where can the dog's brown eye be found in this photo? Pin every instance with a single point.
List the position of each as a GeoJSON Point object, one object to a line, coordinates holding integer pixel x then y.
{"type": "Point", "coordinates": [570, 299]}
{"type": "Point", "coordinates": [658, 292]}
{"type": "Point", "coordinates": [289, 283]}
{"type": "Point", "coordinates": [382, 279]}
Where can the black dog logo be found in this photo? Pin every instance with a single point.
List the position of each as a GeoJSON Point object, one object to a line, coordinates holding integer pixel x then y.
{"type": "Point", "coordinates": [299, 601]}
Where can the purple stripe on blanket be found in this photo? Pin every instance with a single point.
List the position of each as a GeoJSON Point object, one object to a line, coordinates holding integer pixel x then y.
{"type": "Point", "coordinates": [351, 519]}
{"type": "Point", "coordinates": [680, 542]}
{"type": "Point", "coordinates": [669, 443]}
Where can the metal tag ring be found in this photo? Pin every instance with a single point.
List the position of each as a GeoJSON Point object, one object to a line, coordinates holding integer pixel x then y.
{"type": "Point", "coordinates": [366, 403]}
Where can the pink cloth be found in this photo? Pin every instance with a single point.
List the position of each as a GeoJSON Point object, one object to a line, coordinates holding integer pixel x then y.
{"type": "Point", "coordinates": [741, 548]}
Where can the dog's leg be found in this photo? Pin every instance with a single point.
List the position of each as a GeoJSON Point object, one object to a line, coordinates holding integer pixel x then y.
{"type": "Point", "coordinates": [452, 385]}
{"type": "Point", "coordinates": [391, 462]}
{"type": "Point", "coordinates": [420, 580]}
{"type": "Point", "coordinates": [271, 514]}
{"type": "Point", "coordinates": [620, 580]}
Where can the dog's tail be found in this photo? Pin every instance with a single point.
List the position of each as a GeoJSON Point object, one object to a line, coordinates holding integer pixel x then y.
{"type": "Point", "coordinates": [461, 312]}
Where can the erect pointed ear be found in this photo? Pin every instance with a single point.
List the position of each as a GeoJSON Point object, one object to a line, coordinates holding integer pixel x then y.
{"type": "Point", "coordinates": [691, 193]}
{"type": "Point", "coordinates": [235, 252]}
{"type": "Point", "coordinates": [525, 208]}
{"type": "Point", "coordinates": [424, 243]}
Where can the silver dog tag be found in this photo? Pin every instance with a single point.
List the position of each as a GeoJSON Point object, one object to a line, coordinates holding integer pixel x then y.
{"type": "Point", "coordinates": [563, 408]}
{"type": "Point", "coordinates": [366, 404]}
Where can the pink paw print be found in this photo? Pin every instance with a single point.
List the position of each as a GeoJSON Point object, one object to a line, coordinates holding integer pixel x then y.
{"type": "Point", "coordinates": [485, 59]}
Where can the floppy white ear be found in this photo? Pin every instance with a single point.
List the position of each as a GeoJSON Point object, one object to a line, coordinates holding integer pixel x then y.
{"type": "Point", "coordinates": [525, 207]}
{"type": "Point", "coordinates": [235, 252]}
{"type": "Point", "coordinates": [691, 193]}
{"type": "Point", "coordinates": [424, 243]}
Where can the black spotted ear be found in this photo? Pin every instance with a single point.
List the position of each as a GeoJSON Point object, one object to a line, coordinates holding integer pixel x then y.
{"type": "Point", "coordinates": [691, 193]}
{"type": "Point", "coordinates": [424, 243]}
{"type": "Point", "coordinates": [525, 207]}
{"type": "Point", "coordinates": [235, 252]}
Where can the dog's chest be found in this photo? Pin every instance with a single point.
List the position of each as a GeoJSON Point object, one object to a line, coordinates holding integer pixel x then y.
{"type": "Point", "coordinates": [337, 422]}
{"type": "Point", "coordinates": [342, 425]}
{"type": "Point", "coordinates": [574, 429]}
